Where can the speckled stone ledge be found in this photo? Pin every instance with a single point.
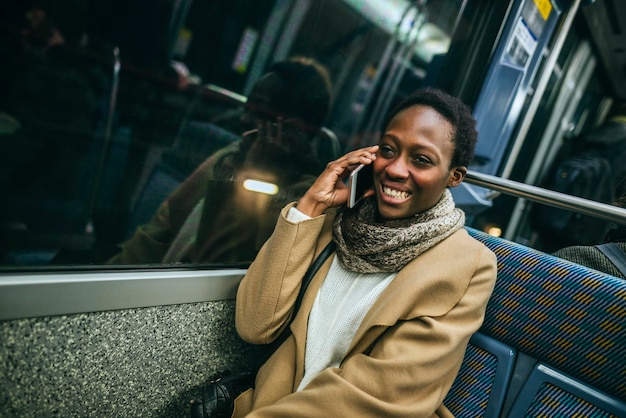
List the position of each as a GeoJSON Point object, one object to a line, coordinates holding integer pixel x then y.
{"type": "Point", "coordinates": [146, 362]}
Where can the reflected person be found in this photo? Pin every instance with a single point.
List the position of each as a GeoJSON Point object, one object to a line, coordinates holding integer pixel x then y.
{"type": "Point", "coordinates": [211, 217]}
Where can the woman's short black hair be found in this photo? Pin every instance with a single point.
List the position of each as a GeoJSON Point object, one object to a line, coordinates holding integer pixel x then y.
{"type": "Point", "coordinates": [454, 111]}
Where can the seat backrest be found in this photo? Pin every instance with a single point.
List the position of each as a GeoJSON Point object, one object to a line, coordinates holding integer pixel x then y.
{"type": "Point", "coordinates": [162, 181]}
{"type": "Point", "coordinates": [195, 143]}
{"type": "Point", "coordinates": [327, 146]}
{"type": "Point", "coordinates": [548, 393]}
{"type": "Point", "coordinates": [570, 318]}
{"type": "Point", "coordinates": [480, 387]}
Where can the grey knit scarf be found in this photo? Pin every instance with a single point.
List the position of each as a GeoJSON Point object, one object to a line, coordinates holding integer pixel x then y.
{"type": "Point", "coordinates": [367, 245]}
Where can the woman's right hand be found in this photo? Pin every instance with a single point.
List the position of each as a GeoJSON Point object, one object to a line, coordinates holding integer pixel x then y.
{"type": "Point", "coordinates": [329, 190]}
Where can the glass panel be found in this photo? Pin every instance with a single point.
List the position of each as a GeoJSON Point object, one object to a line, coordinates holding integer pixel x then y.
{"type": "Point", "coordinates": [175, 134]}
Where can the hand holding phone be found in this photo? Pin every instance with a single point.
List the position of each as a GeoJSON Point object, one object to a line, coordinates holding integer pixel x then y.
{"type": "Point", "coordinates": [331, 188]}
{"type": "Point", "coordinates": [361, 180]}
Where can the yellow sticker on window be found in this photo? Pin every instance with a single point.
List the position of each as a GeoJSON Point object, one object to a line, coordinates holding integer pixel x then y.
{"type": "Point", "coordinates": [544, 7]}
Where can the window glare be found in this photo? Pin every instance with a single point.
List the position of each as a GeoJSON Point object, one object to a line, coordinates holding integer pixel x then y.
{"type": "Point", "coordinates": [260, 187]}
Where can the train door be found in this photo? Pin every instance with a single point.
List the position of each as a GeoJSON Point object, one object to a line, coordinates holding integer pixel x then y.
{"type": "Point", "coordinates": [525, 46]}
{"type": "Point", "coordinates": [570, 96]}
{"type": "Point", "coordinates": [564, 122]}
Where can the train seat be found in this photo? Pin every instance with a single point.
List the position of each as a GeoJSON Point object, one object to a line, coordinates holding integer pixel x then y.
{"type": "Point", "coordinates": [162, 181]}
{"type": "Point", "coordinates": [570, 319]}
{"type": "Point", "coordinates": [196, 142]}
{"type": "Point", "coordinates": [550, 393]}
{"type": "Point", "coordinates": [480, 387]}
{"type": "Point", "coordinates": [558, 325]}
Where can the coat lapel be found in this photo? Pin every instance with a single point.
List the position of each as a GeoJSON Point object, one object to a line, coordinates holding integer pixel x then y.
{"type": "Point", "coordinates": [421, 288]}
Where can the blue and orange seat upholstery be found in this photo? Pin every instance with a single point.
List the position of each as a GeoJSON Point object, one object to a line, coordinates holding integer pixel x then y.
{"type": "Point", "coordinates": [480, 388]}
{"type": "Point", "coordinates": [570, 318]}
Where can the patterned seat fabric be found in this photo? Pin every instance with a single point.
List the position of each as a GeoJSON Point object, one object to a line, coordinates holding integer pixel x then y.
{"type": "Point", "coordinates": [481, 385]}
{"type": "Point", "coordinates": [470, 392]}
{"type": "Point", "coordinates": [561, 313]}
{"type": "Point", "coordinates": [552, 401]}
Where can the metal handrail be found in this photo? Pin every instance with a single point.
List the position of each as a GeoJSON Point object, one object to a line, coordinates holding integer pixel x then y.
{"type": "Point", "coordinates": [222, 92]}
{"type": "Point", "coordinates": [548, 197]}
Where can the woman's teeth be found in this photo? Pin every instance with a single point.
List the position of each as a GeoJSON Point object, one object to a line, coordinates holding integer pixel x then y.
{"type": "Point", "coordinates": [397, 194]}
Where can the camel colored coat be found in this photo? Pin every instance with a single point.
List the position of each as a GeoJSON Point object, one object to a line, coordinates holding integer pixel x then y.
{"type": "Point", "coordinates": [404, 356]}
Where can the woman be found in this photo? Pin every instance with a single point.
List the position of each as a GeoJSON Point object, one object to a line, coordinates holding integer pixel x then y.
{"type": "Point", "coordinates": [383, 327]}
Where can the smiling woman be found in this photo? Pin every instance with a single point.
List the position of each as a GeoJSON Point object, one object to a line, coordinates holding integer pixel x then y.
{"type": "Point", "coordinates": [366, 318]}
{"type": "Point", "coordinates": [127, 117]}
{"type": "Point", "coordinates": [426, 147]}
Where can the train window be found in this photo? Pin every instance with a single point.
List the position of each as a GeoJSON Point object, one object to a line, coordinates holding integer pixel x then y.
{"type": "Point", "coordinates": [134, 135]}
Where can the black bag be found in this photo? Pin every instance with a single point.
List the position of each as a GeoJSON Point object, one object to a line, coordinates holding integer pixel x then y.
{"type": "Point", "coordinates": [218, 398]}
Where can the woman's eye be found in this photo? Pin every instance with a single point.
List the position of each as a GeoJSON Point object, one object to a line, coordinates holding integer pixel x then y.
{"type": "Point", "coordinates": [422, 160]}
{"type": "Point", "coordinates": [385, 151]}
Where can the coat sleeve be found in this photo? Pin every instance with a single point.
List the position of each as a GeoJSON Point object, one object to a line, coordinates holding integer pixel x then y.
{"type": "Point", "coordinates": [150, 241]}
{"type": "Point", "coordinates": [268, 291]}
{"type": "Point", "coordinates": [407, 372]}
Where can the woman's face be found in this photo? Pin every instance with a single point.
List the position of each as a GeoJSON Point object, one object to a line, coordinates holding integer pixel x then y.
{"type": "Point", "coordinates": [412, 168]}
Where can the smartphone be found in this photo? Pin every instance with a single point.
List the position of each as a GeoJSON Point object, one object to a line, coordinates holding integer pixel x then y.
{"type": "Point", "coordinates": [361, 179]}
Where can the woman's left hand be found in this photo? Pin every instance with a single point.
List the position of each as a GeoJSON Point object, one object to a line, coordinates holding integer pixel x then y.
{"type": "Point", "coordinates": [329, 189]}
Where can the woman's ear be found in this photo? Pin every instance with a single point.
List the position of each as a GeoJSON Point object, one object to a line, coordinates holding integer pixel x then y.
{"type": "Point", "coordinates": [457, 174]}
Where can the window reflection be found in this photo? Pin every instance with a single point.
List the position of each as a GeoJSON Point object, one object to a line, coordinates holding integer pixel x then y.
{"type": "Point", "coordinates": [211, 216]}
{"type": "Point", "coordinates": [148, 165]}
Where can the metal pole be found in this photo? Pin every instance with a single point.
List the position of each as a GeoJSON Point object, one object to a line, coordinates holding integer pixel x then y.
{"type": "Point", "coordinates": [548, 197]}
{"type": "Point", "coordinates": [575, 81]}
{"type": "Point", "coordinates": [107, 132]}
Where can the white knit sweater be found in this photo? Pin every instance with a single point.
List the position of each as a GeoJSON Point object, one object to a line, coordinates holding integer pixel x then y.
{"type": "Point", "coordinates": [342, 302]}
